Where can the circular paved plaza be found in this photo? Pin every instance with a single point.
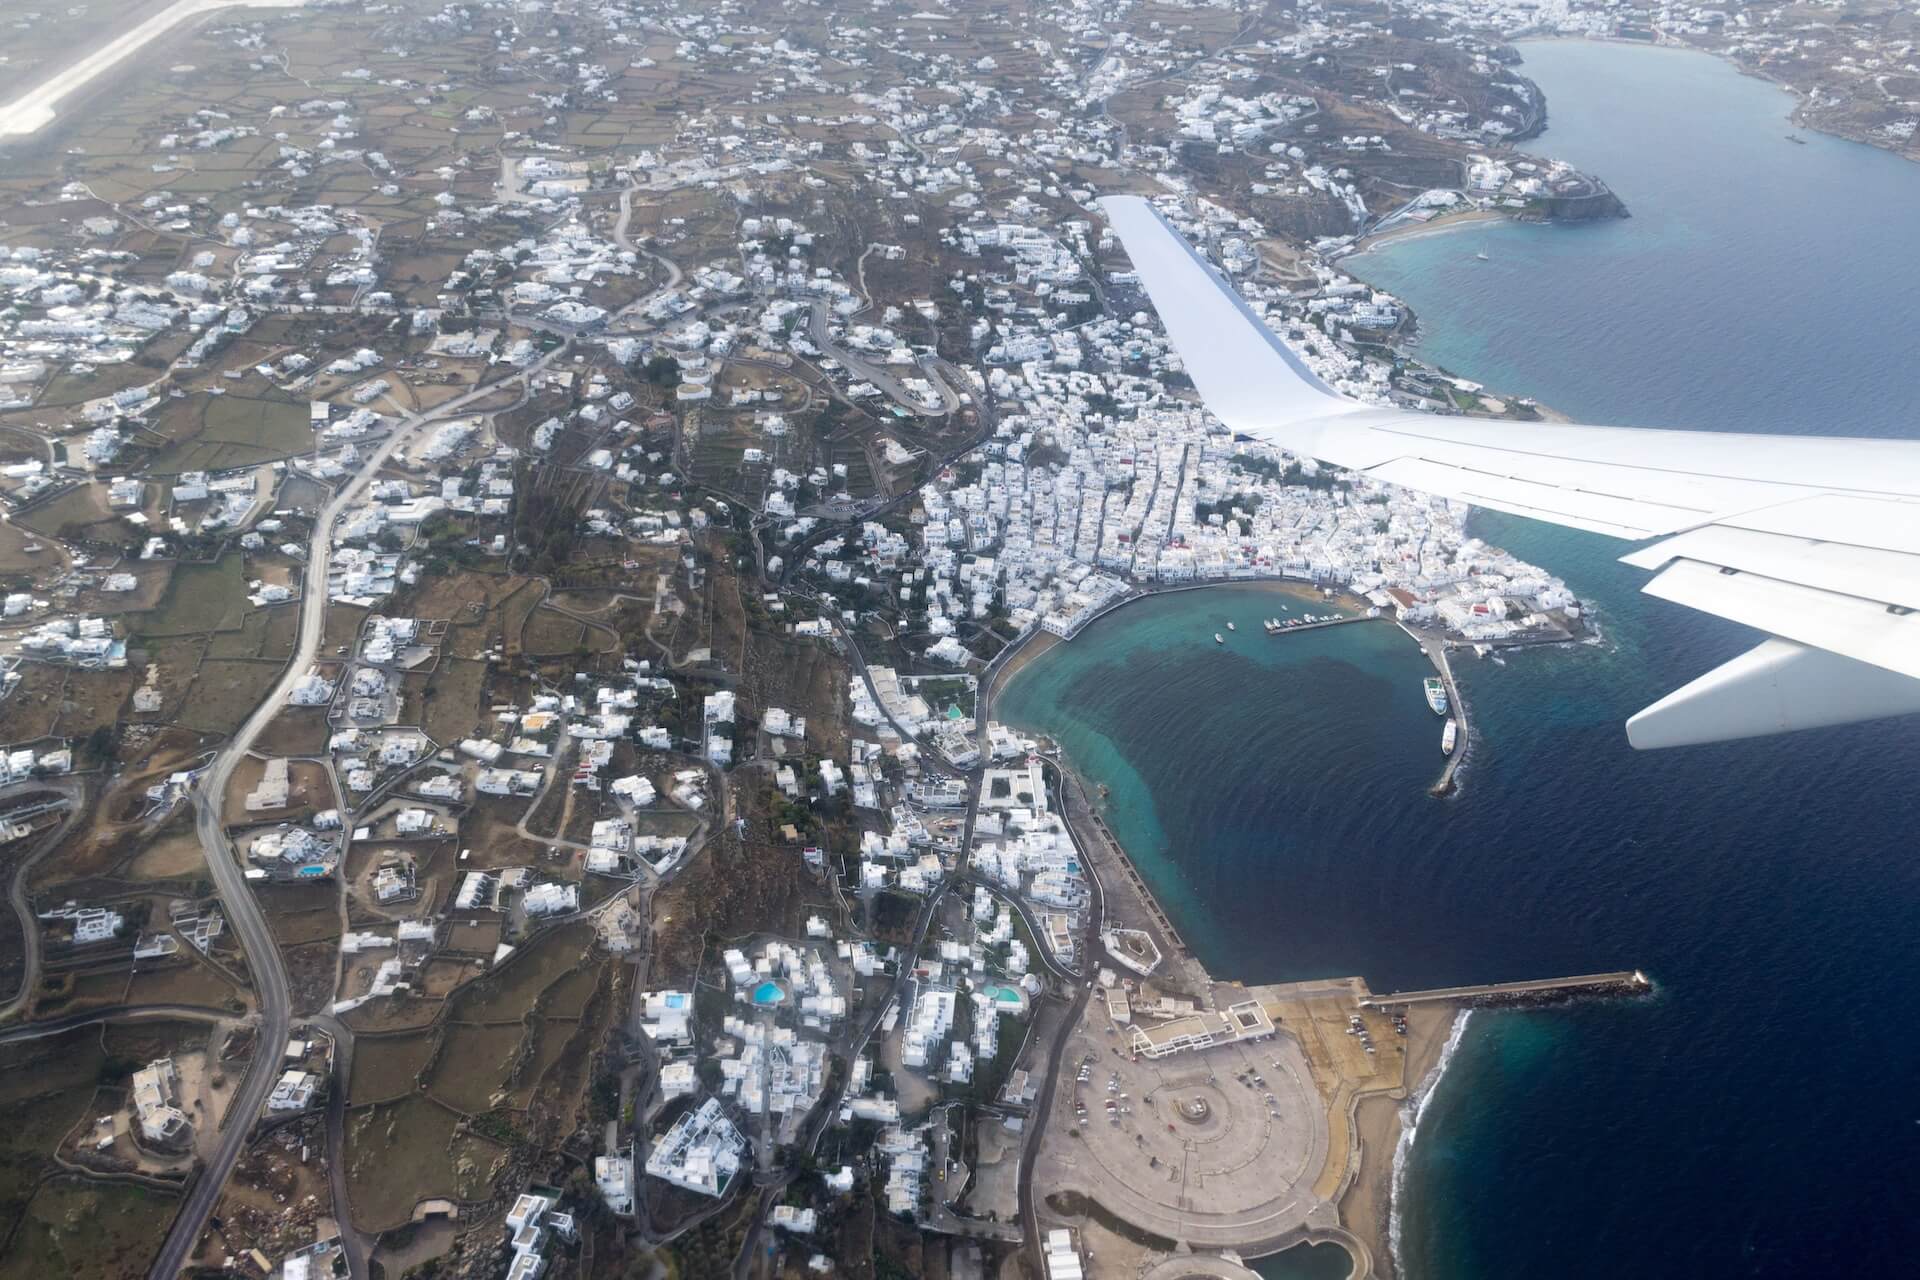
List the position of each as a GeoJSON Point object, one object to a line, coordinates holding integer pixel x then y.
{"type": "Point", "coordinates": [1191, 1146]}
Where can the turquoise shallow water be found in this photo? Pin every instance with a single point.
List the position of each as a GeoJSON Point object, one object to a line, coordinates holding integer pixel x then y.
{"type": "Point", "coordinates": [1758, 1116]}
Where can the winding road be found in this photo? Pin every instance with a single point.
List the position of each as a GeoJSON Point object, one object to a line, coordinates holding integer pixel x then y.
{"type": "Point", "coordinates": [74, 793]}
{"type": "Point", "coordinates": [243, 911]}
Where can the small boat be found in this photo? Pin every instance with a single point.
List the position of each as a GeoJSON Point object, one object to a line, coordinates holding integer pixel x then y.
{"type": "Point", "coordinates": [1436, 695]}
{"type": "Point", "coordinates": [1447, 736]}
{"type": "Point", "coordinates": [1218, 638]}
{"type": "Point", "coordinates": [1231, 627]}
{"type": "Point", "coordinates": [1483, 257]}
{"type": "Point", "coordinates": [1796, 138]}
{"type": "Point", "coordinates": [1272, 625]}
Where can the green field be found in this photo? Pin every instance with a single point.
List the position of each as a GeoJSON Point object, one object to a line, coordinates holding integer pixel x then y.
{"type": "Point", "coordinates": [201, 598]}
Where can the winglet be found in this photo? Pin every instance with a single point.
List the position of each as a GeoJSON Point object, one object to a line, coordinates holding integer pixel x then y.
{"type": "Point", "coordinates": [1249, 378]}
{"type": "Point", "coordinates": [1775, 687]}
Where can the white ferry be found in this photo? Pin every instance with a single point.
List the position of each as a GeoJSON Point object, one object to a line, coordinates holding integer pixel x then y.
{"type": "Point", "coordinates": [1231, 627]}
{"type": "Point", "coordinates": [1218, 638]}
{"type": "Point", "coordinates": [1447, 735]}
{"type": "Point", "coordinates": [1436, 695]}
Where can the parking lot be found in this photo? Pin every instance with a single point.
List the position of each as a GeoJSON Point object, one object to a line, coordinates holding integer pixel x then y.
{"type": "Point", "coordinates": [1200, 1145]}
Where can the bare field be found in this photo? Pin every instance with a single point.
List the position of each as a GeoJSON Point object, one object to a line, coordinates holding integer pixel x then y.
{"type": "Point", "coordinates": [509, 994]}
{"type": "Point", "coordinates": [474, 1065]}
{"type": "Point", "coordinates": [87, 1231]}
{"type": "Point", "coordinates": [401, 1153]}
{"type": "Point", "coordinates": [388, 1067]}
{"type": "Point", "coordinates": [226, 692]}
{"type": "Point", "coordinates": [200, 598]}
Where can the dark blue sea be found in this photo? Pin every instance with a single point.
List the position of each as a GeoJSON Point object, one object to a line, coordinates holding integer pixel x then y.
{"type": "Point", "coordinates": [1760, 1115]}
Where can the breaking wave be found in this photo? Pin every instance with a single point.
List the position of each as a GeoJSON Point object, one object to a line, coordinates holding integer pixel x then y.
{"type": "Point", "coordinates": [1411, 1112]}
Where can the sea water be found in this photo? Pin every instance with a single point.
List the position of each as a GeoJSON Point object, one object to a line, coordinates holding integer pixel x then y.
{"type": "Point", "coordinates": [1758, 1115]}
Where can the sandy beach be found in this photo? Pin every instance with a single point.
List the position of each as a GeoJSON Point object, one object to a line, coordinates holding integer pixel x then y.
{"type": "Point", "coordinates": [1032, 646]}
{"type": "Point", "coordinates": [1038, 642]}
{"type": "Point", "coordinates": [1365, 1207]}
{"type": "Point", "coordinates": [1432, 226]}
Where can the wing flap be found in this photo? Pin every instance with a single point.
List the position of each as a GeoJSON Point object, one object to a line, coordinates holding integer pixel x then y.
{"type": "Point", "coordinates": [1865, 630]}
{"type": "Point", "coordinates": [1867, 573]}
{"type": "Point", "coordinates": [1851, 519]}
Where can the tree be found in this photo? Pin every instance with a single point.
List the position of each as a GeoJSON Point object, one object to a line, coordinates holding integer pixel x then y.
{"type": "Point", "coordinates": [100, 745]}
{"type": "Point", "coordinates": [663, 371]}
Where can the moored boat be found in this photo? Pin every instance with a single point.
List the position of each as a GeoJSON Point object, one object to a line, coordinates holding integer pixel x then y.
{"type": "Point", "coordinates": [1436, 695]}
{"type": "Point", "coordinates": [1447, 736]}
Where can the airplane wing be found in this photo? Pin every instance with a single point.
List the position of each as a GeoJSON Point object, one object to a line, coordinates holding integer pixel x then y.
{"type": "Point", "coordinates": [1812, 539]}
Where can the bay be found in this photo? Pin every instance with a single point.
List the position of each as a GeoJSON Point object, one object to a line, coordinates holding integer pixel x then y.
{"type": "Point", "coordinates": [1759, 1115]}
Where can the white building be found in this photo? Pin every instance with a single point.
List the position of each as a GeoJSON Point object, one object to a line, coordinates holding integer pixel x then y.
{"type": "Point", "coordinates": [614, 1176]}
{"type": "Point", "coordinates": [156, 1094]}
{"type": "Point", "coordinates": [701, 1152]}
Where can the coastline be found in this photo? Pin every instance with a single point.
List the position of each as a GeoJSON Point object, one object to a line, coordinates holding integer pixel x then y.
{"type": "Point", "coordinates": [1367, 1109]}
{"type": "Point", "coordinates": [1020, 653]}
{"type": "Point", "coordinates": [1028, 648]}
{"type": "Point", "coordinates": [1431, 227]}
{"type": "Point", "coordinates": [1371, 1126]}
{"type": "Point", "coordinates": [1797, 118]}
{"type": "Point", "coordinates": [1406, 1128]}
{"type": "Point", "coordinates": [1383, 1131]}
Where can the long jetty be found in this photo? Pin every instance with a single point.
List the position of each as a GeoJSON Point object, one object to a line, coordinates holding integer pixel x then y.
{"type": "Point", "coordinates": [1537, 991]}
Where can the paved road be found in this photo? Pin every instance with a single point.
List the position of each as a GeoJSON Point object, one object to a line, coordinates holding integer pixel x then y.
{"type": "Point", "coordinates": [74, 791]}
{"type": "Point", "coordinates": [879, 375]}
{"type": "Point", "coordinates": [1043, 1103]}
{"type": "Point", "coordinates": [351, 1241]}
{"type": "Point", "coordinates": [264, 960]}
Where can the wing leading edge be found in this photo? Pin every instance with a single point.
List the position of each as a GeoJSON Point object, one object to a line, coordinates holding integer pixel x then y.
{"type": "Point", "coordinates": [1813, 539]}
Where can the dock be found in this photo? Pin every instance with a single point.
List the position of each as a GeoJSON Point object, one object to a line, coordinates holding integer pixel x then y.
{"type": "Point", "coordinates": [1536, 991]}
{"type": "Point", "coordinates": [1340, 621]}
{"type": "Point", "coordinates": [1435, 647]}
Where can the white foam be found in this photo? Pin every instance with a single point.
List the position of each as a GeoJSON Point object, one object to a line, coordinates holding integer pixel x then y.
{"type": "Point", "coordinates": [1411, 1112]}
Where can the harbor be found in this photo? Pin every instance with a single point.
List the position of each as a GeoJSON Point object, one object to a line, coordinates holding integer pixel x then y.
{"type": "Point", "coordinates": [1268, 1115]}
{"type": "Point", "coordinates": [1304, 1081]}
{"type": "Point", "coordinates": [1432, 644]}
{"type": "Point", "coordinates": [1457, 736]}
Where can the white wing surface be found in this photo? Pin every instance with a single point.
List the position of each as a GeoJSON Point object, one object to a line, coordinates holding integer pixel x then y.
{"type": "Point", "coordinates": [1813, 539]}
